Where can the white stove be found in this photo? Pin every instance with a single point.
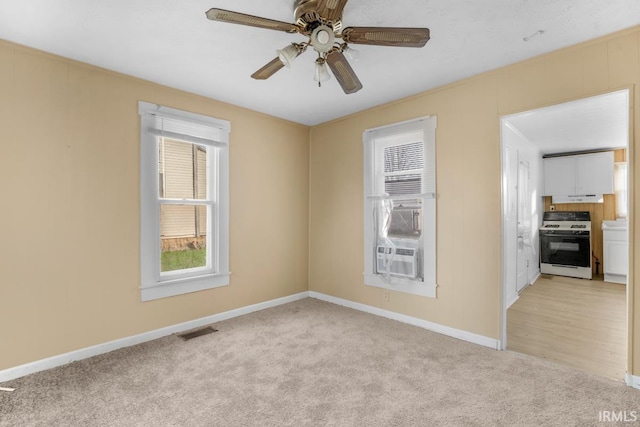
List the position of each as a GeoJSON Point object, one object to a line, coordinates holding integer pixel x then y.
{"type": "Point", "coordinates": [565, 244]}
{"type": "Point", "coordinates": [566, 226]}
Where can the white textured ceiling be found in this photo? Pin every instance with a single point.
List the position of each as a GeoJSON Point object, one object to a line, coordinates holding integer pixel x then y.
{"type": "Point", "coordinates": [172, 43]}
{"type": "Point", "coordinates": [594, 123]}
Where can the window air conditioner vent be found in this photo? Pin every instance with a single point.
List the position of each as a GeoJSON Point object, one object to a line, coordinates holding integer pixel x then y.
{"type": "Point", "coordinates": [403, 251]}
{"type": "Point", "coordinates": [404, 262]}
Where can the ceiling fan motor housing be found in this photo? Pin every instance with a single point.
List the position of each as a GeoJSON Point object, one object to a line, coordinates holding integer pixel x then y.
{"type": "Point", "coordinates": [304, 8]}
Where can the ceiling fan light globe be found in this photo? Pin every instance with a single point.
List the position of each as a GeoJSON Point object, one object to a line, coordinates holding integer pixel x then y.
{"type": "Point", "coordinates": [288, 54]}
{"type": "Point", "coordinates": [352, 54]}
{"type": "Point", "coordinates": [322, 38]}
{"type": "Point", "coordinates": [321, 72]}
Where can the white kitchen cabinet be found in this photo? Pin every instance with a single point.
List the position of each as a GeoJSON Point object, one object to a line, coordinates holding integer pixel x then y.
{"type": "Point", "coordinates": [559, 175]}
{"type": "Point", "coordinates": [615, 262]}
{"type": "Point", "coordinates": [581, 174]}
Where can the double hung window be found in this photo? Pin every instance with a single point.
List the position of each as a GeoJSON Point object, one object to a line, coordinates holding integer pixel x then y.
{"type": "Point", "coordinates": [184, 195]}
{"type": "Point", "coordinates": [400, 207]}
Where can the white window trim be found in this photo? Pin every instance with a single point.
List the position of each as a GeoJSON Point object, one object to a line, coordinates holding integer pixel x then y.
{"type": "Point", "coordinates": [153, 284]}
{"type": "Point", "coordinates": [426, 126]}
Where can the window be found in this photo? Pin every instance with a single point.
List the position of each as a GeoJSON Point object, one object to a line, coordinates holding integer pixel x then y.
{"type": "Point", "coordinates": [400, 207]}
{"type": "Point", "coordinates": [184, 202]}
{"type": "Point", "coordinates": [620, 188]}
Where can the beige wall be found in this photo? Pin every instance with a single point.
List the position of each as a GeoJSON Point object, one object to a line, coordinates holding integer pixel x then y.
{"type": "Point", "coordinates": [468, 178]}
{"type": "Point", "coordinates": [69, 179]}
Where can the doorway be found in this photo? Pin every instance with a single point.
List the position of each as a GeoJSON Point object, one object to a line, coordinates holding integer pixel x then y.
{"type": "Point", "coordinates": [597, 123]}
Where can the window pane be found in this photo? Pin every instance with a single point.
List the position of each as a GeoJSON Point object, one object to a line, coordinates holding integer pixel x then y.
{"type": "Point", "coordinates": [399, 158]}
{"type": "Point", "coordinates": [183, 237]}
{"type": "Point", "coordinates": [182, 170]}
{"type": "Point", "coordinates": [406, 220]}
{"type": "Point", "coordinates": [620, 185]}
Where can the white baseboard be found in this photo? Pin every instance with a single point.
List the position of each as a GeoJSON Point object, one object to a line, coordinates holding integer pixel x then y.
{"type": "Point", "coordinates": [633, 381]}
{"type": "Point", "coordinates": [434, 327]}
{"type": "Point", "coordinates": [513, 298]}
{"type": "Point", "coordinates": [535, 277]}
{"type": "Point", "coordinates": [84, 353]}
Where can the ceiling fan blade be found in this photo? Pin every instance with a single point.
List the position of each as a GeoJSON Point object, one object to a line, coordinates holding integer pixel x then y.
{"type": "Point", "coordinates": [268, 70]}
{"type": "Point", "coordinates": [343, 72]}
{"type": "Point", "coordinates": [331, 9]}
{"type": "Point", "coordinates": [250, 20]}
{"type": "Point", "coordinates": [386, 36]}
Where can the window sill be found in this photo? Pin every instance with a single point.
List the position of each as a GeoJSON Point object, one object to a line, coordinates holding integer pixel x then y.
{"type": "Point", "coordinates": [402, 285]}
{"type": "Point", "coordinates": [170, 288]}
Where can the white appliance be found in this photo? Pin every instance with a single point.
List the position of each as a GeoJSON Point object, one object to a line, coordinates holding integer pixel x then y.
{"type": "Point", "coordinates": [565, 244]}
{"type": "Point", "coordinates": [398, 261]}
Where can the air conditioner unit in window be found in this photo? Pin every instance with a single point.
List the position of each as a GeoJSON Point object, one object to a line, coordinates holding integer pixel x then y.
{"type": "Point", "coordinates": [404, 262]}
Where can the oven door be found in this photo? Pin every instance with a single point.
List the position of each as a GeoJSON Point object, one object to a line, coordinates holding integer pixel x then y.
{"type": "Point", "coordinates": [565, 248]}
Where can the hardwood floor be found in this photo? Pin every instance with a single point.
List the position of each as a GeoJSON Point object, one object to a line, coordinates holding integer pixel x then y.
{"type": "Point", "coordinates": [575, 322]}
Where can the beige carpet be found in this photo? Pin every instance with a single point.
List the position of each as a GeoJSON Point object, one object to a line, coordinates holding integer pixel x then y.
{"type": "Point", "coordinates": [312, 363]}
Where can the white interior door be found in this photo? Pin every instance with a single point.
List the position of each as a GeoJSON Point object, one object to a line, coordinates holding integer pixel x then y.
{"type": "Point", "coordinates": [524, 227]}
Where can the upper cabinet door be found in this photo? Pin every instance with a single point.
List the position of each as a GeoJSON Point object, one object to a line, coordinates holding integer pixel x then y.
{"type": "Point", "coordinates": [595, 173]}
{"type": "Point", "coordinates": [579, 175]}
{"type": "Point", "coordinates": [559, 176]}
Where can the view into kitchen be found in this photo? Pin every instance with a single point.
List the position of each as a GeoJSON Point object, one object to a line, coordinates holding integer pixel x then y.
{"type": "Point", "coordinates": [565, 233]}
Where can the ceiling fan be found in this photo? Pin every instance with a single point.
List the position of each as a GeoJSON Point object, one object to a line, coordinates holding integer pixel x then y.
{"type": "Point", "coordinates": [321, 22]}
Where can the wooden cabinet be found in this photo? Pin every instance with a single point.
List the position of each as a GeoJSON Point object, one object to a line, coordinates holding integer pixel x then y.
{"type": "Point", "coordinates": [582, 174]}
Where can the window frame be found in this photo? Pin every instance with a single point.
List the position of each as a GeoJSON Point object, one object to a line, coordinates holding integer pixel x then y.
{"type": "Point", "coordinates": [154, 283]}
{"type": "Point", "coordinates": [374, 142]}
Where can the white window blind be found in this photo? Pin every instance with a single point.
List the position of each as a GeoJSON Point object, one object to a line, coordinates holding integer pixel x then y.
{"type": "Point", "coordinates": [403, 168]}
{"type": "Point", "coordinates": [197, 129]}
